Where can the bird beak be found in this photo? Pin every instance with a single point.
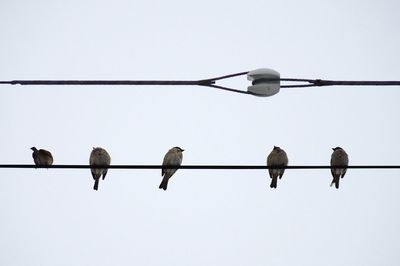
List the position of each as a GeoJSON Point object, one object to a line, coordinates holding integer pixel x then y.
{"type": "Point", "coordinates": [333, 149]}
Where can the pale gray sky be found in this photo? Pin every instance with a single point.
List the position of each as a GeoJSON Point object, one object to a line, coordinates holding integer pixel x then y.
{"type": "Point", "coordinates": [206, 217]}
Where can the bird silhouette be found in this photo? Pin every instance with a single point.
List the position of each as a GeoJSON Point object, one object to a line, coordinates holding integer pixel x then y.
{"type": "Point", "coordinates": [99, 157]}
{"type": "Point", "coordinates": [172, 157]}
{"type": "Point", "coordinates": [42, 157]}
{"type": "Point", "coordinates": [277, 158]}
{"type": "Point", "coordinates": [339, 163]}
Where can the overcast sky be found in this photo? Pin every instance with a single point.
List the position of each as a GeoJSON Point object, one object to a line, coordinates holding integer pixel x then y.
{"type": "Point", "coordinates": [206, 217]}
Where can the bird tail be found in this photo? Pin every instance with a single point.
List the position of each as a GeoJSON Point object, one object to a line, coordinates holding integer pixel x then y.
{"type": "Point", "coordinates": [96, 184]}
{"type": "Point", "coordinates": [164, 183]}
{"type": "Point", "coordinates": [335, 181]}
{"type": "Point", "coordinates": [274, 182]}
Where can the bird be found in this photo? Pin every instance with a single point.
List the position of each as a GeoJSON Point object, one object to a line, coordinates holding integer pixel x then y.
{"type": "Point", "coordinates": [339, 158]}
{"type": "Point", "coordinates": [172, 157]}
{"type": "Point", "coordinates": [42, 157]}
{"type": "Point", "coordinates": [99, 156]}
{"type": "Point", "coordinates": [276, 158]}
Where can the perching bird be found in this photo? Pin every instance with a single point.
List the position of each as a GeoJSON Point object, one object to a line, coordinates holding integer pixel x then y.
{"type": "Point", "coordinates": [42, 157]}
{"type": "Point", "coordinates": [173, 157]}
{"type": "Point", "coordinates": [339, 158]}
{"type": "Point", "coordinates": [276, 158]}
{"type": "Point", "coordinates": [99, 156]}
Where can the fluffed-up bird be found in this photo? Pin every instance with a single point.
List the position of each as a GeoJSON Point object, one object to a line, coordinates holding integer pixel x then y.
{"type": "Point", "coordinates": [99, 157]}
{"type": "Point", "coordinates": [339, 163]}
{"type": "Point", "coordinates": [172, 157]}
{"type": "Point", "coordinates": [42, 157]}
{"type": "Point", "coordinates": [277, 158]}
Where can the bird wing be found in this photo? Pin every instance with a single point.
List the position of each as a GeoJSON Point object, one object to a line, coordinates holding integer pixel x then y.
{"type": "Point", "coordinates": [35, 158]}
{"type": "Point", "coordinates": [107, 158]}
{"type": "Point", "coordinates": [346, 162]}
{"type": "Point", "coordinates": [270, 162]}
{"type": "Point", "coordinates": [92, 158]}
{"type": "Point", "coordinates": [285, 158]}
{"type": "Point", "coordinates": [332, 169]}
{"type": "Point", "coordinates": [166, 161]}
{"type": "Point", "coordinates": [282, 160]}
{"type": "Point", "coordinates": [171, 158]}
{"type": "Point", "coordinates": [45, 153]}
{"type": "Point", "coordinates": [45, 157]}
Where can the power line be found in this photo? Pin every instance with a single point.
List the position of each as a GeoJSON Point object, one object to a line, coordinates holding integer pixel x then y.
{"type": "Point", "coordinates": [210, 82]}
{"type": "Point", "coordinates": [104, 82]}
{"type": "Point", "coordinates": [204, 82]}
{"type": "Point", "coordinates": [199, 167]}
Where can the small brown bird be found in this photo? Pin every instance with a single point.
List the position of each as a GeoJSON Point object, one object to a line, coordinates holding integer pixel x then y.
{"type": "Point", "coordinates": [100, 157]}
{"type": "Point", "coordinates": [277, 158]}
{"type": "Point", "coordinates": [339, 158]}
{"type": "Point", "coordinates": [42, 157]}
{"type": "Point", "coordinates": [173, 157]}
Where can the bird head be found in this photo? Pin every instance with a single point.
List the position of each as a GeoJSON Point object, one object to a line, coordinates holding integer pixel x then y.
{"type": "Point", "coordinates": [34, 149]}
{"type": "Point", "coordinates": [178, 149]}
{"type": "Point", "coordinates": [337, 148]}
{"type": "Point", "coordinates": [276, 148]}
